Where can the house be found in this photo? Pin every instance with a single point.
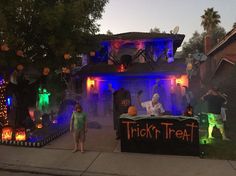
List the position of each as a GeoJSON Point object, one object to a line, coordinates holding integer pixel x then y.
{"type": "Point", "coordinates": [220, 69]}
{"type": "Point", "coordinates": [138, 62]}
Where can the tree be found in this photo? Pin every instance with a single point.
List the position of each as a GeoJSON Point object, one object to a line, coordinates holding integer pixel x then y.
{"type": "Point", "coordinates": [45, 30]}
{"type": "Point", "coordinates": [234, 25]}
{"type": "Point", "coordinates": [196, 42]}
{"type": "Point", "coordinates": [217, 35]}
{"type": "Point", "coordinates": [210, 20]}
{"type": "Point", "coordinates": [155, 30]}
{"type": "Point", "coordinates": [109, 32]}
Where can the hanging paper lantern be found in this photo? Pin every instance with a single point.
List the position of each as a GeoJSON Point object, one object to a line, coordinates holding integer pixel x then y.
{"type": "Point", "coordinates": [189, 66]}
{"type": "Point", "coordinates": [92, 53]}
{"type": "Point", "coordinates": [7, 133]}
{"type": "Point", "coordinates": [67, 56]}
{"type": "Point", "coordinates": [20, 53]}
{"type": "Point", "coordinates": [46, 71]}
{"type": "Point", "coordinates": [4, 47]}
{"type": "Point", "coordinates": [20, 134]}
{"type": "Point", "coordinates": [20, 67]}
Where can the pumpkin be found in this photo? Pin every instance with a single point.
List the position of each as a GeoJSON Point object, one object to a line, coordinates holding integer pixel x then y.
{"type": "Point", "coordinates": [132, 111]}
{"type": "Point", "coordinates": [39, 125]}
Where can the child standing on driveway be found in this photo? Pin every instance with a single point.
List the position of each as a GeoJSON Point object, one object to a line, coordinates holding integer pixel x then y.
{"type": "Point", "coordinates": [78, 125]}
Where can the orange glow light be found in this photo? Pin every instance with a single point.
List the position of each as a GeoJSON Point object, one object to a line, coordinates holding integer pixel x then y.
{"type": "Point", "coordinates": [20, 134]}
{"type": "Point", "coordinates": [90, 82]}
{"type": "Point", "coordinates": [179, 81]}
{"type": "Point", "coordinates": [39, 125]}
{"type": "Point", "coordinates": [7, 133]}
{"type": "Point", "coordinates": [183, 80]}
{"type": "Point", "coordinates": [121, 68]}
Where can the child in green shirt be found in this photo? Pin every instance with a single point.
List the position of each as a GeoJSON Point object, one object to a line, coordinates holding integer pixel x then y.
{"type": "Point", "coordinates": [78, 125]}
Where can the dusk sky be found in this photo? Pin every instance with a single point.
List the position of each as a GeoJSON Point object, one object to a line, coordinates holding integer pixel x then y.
{"type": "Point", "coordinates": [141, 15]}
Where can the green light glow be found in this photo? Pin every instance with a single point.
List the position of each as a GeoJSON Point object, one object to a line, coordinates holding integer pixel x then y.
{"type": "Point", "coordinates": [43, 99]}
{"type": "Point", "coordinates": [205, 140]}
{"type": "Point", "coordinates": [212, 119]}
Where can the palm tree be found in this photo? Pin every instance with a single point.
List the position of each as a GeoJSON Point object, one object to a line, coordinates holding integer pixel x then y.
{"type": "Point", "coordinates": [210, 20]}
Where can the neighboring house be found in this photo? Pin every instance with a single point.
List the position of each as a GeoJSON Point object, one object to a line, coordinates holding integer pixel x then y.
{"type": "Point", "coordinates": [138, 62]}
{"type": "Point", "coordinates": [222, 56]}
{"type": "Point", "coordinates": [220, 69]}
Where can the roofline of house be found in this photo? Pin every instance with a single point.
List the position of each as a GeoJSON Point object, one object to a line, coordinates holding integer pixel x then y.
{"type": "Point", "coordinates": [223, 41]}
{"type": "Point", "coordinates": [218, 65]}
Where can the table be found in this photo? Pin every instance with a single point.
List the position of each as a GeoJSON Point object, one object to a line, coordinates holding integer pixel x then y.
{"type": "Point", "coordinates": [177, 135]}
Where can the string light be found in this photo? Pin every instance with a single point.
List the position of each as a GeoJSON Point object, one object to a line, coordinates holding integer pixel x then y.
{"type": "Point", "coordinates": [3, 102]}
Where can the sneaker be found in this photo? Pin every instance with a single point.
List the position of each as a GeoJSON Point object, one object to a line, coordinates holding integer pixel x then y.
{"type": "Point", "coordinates": [226, 139]}
{"type": "Point", "coordinates": [75, 150]}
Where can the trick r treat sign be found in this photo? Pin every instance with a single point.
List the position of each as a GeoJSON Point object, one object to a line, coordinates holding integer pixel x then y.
{"type": "Point", "coordinates": [161, 135]}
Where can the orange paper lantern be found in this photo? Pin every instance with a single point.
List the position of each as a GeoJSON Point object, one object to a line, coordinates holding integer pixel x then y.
{"type": "Point", "coordinates": [20, 53]}
{"type": "Point", "coordinates": [4, 47]}
{"type": "Point", "coordinates": [7, 133]}
{"type": "Point", "coordinates": [189, 66]}
{"type": "Point", "coordinates": [67, 56]}
{"type": "Point", "coordinates": [20, 134]}
{"type": "Point", "coordinates": [46, 71]}
{"type": "Point", "coordinates": [92, 53]}
{"type": "Point", "coordinates": [20, 67]}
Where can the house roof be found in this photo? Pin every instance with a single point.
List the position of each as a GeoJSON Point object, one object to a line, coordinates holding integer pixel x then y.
{"type": "Point", "coordinates": [162, 67]}
{"type": "Point", "coordinates": [177, 38]}
{"type": "Point", "coordinates": [229, 37]}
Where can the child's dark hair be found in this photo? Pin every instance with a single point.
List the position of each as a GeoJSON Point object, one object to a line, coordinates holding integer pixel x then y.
{"type": "Point", "coordinates": [78, 106]}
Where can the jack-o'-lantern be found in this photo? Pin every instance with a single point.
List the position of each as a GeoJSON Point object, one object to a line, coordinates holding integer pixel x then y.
{"type": "Point", "coordinates": [132, 111]}
{"type": "Point", "coordinates": [39, 125]}
{"type": "Point", "coordinates": [46, 71]}
{"type": "Point", "coordinates": [7, 133]}
{"type": "Point", "coordinates": [20, 134]}
{"type": "Point", "coordinates": [189, 111]}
